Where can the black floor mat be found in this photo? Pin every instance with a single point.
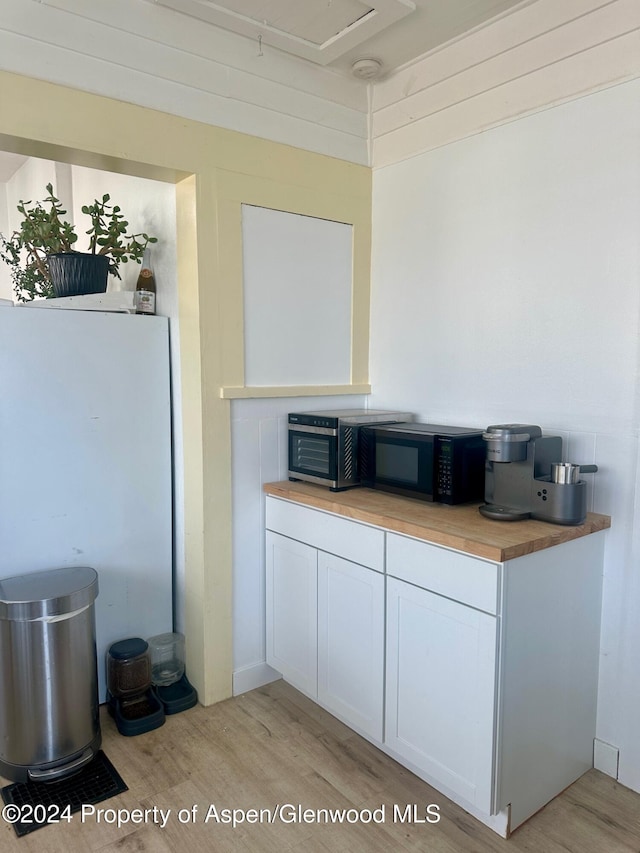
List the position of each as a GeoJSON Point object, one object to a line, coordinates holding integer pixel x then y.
{"type": "Point", "coordinates": [40, 804]}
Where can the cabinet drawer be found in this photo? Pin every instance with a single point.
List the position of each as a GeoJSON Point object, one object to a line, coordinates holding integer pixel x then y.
{"type": "Point", "coordinates": [463, 578]}
{"type": "Point", "coordinates": [348, 539]}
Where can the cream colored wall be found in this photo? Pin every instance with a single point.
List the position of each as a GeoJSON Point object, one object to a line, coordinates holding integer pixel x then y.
{"type": "Point", "coordinates": [327, 201]}
{"type": "Point", "coordinates": [45, 120]}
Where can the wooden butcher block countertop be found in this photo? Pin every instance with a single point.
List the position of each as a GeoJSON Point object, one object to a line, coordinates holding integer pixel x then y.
{"type": "Point", "coordinates": [460, 527]}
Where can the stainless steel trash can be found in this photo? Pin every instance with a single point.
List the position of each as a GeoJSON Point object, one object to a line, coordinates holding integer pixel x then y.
{"type": "Point", "coordinates": [49, 722]}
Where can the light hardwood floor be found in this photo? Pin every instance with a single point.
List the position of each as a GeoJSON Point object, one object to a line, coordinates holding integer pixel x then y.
{"type": "Point", "coordinates": [273, 746]}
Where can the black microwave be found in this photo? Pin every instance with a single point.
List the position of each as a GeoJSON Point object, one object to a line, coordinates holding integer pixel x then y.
{"type": "Point", "coordinates": [427, 461]}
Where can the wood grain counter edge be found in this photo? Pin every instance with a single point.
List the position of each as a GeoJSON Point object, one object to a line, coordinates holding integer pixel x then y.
{"type": "Point", "coordinates": [460, 527]}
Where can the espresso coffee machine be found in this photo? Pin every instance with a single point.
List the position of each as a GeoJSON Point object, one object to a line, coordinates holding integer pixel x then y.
{"type": "Point", "coordinates": [525, 478]}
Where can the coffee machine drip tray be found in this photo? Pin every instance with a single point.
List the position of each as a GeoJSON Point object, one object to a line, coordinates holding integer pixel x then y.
{"type": "Point", "coordinates": [503, 513]}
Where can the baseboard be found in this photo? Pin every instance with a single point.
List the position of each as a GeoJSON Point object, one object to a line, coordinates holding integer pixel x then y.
{"type": "Point", "coordinates": [250, 677]}
{"type": "Point", "coordinates": [605, 757]}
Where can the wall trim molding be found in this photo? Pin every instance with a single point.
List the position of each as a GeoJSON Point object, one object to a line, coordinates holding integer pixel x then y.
{"type": "Point", "coordinates": [243, 392]}
{"type": "Point", "coordinates": [606, 758]}
{"type": "Point", "coordinates": [250, 677]}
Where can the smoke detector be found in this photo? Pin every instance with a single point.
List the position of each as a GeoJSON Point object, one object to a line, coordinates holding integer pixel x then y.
{"type": "Point", "coordinates": [366, 69]}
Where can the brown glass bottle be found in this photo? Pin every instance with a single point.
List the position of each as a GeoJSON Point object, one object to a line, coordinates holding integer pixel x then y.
{"type": "Point", "coordinates": [145, 295]}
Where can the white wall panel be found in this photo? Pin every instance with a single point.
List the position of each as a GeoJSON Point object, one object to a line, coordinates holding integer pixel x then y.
{"type": "Point", "coordinates": [259, 455]}
{"type": "Point", "coordinates": [297, 270]}
{"type": "Point", "coordinates": [154, 57]}
{"type": "Point", "coordinates": [505, 289]}
{"type": "Point", "coordinates": [499, 36]}
{"type": "Point", "coordinates": [524, 58]}
{"type": "Point", "coordinates": [542, 54]}
{"type": "Point", "coordinates": [163, 26]}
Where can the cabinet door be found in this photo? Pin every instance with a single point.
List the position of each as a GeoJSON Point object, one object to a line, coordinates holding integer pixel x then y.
{"type": "Point", "coordinates": [292, 608]}
{"type": "Point", "coordinates": [441, 688]}
{"type": "Point", "coordinates": [351, 642]}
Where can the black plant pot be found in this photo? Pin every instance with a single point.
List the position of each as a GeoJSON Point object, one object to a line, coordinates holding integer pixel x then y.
{"type": "Point", "coordinates": [75, 273]}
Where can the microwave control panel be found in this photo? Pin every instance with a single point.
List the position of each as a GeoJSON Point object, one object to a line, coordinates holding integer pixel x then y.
{"type": "Point", "coordinates": [459, 468]}
{"type": "Point", "coordinates": [444, 473]}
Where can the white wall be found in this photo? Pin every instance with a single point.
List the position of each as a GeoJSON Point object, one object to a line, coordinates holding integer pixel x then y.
{"type": "Point", "coordinates": [26, 184]}
{"type": "Point", "coordinates": [259, 455]}
{"type": "Point", "coordinates": [6, 287]}
{"type": "Point", "coordinates": [506, 288]}
{"type": "Point", "coordinates": [148, 206]}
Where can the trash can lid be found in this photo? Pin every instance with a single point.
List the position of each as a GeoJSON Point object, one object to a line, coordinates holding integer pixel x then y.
{"type": "Point", "coordinates": [55, 592]}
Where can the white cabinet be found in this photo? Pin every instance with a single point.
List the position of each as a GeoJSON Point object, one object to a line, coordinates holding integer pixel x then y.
{"type": "Point", "coordinates": [487, 671]}
{"type": "Point", "coordinates": [549, 656]}
{"type": "Point", "coordinates": [442, 634]}
{"type": "Point", "coordinates": [291, 616]}
{"type": "Point", "coordinates": [445, 572]}
{"type": "Point", "coordinates": [441, 689]}
{"type": "Point", "coordinates": [351, 642]}
{"type": "Point", "coordinates": [325, 617]}
{"type": "Point", "coordinates": [327, 532]}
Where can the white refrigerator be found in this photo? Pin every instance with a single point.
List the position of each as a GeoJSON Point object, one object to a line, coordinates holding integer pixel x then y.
{"type": "Point", "coordinates": [85, 459]}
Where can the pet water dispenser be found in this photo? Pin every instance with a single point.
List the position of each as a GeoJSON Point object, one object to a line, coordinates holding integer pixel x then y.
{"type": "Point", "coordinates": [131, 699]}
{"type": "Point", "coordinates": [168, 673]}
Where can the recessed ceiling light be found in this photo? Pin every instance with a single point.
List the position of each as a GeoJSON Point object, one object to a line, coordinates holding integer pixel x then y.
{"type": "Point", "coordinates": [367, 69]}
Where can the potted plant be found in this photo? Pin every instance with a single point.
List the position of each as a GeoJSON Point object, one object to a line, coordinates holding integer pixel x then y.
{"type": "Point", "coordinates": [42, 256]}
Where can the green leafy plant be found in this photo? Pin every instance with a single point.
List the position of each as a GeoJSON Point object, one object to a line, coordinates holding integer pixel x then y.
{"type": "Point", "coordinates": [44, 232]}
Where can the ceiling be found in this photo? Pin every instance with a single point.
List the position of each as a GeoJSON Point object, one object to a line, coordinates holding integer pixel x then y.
{"type": "Point", "coordinates": [337, 33]}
